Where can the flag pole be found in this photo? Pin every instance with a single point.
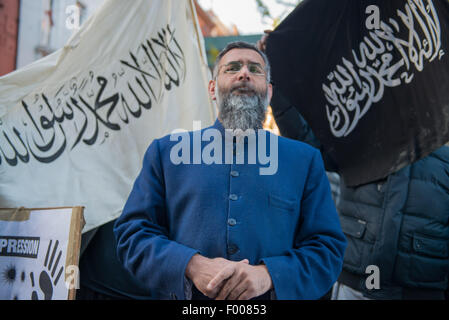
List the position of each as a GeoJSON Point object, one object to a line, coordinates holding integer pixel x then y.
{"type": "Point", "coordinates": [194, 18]}
{"type": "Point", "coordinates": [200, 47]}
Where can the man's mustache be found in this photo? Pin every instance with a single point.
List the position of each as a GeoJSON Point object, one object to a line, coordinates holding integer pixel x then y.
{"type": "Point", "coordinates": [246, 87]}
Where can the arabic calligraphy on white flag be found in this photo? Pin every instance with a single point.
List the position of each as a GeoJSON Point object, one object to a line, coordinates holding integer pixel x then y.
{"type": "Point", "coordinates": [74, 126]}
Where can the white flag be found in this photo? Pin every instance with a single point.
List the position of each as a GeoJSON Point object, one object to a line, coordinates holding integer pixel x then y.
{"type": "Point", "coordinates": [74, 126]}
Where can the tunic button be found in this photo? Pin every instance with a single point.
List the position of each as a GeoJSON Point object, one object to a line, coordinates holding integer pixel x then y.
{"type": "Point", "coordinates": [233, 197]}
{"type": "Point", "coordinates": [234, 173]}
{"type": "Point", "coordinates": [232, 222]}
{"type": "Point", "coordinates": [232, 249]}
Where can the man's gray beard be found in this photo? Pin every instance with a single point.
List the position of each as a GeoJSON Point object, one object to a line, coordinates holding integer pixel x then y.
{"type": "Point", "coordinates": [242, 111]}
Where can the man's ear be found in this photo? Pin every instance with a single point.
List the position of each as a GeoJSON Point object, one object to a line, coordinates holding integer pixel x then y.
{"type": "Point", "coordinates": [211, 89]}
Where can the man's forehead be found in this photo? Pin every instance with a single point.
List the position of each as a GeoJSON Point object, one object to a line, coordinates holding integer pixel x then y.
{"type": "Point", "coordinates": [242, 54]}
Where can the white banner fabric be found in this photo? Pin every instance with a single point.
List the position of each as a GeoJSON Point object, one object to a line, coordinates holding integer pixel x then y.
{"type": "Point", "coordinates": [74, 125]}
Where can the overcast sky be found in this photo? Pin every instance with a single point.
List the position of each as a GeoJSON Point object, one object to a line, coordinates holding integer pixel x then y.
{"type": "Point", "coordinates": [244, 13]}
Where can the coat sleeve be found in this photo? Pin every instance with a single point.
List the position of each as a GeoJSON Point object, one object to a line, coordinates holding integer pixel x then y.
{"type": "Point", "coordinates": [141, 232]}
{"type": "Point", "coordinates": [309, 270]}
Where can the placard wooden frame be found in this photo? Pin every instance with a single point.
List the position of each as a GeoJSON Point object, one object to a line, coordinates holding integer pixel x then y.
{"type": "Point", "coordinates": [77, 223]}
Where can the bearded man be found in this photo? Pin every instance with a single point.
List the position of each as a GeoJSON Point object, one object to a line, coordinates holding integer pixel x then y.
{"type": "Point", "coordinates": [224, 229]}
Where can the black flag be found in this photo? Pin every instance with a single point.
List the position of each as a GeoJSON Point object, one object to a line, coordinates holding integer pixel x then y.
{"type": "Point", "coordinates": [371, 77]}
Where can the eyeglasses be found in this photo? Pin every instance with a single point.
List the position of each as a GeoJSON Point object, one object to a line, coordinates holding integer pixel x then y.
{"type": "Point", "coordinates": [234, 67]}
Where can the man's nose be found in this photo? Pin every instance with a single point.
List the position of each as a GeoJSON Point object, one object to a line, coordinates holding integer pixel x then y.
{"type": "Point", "coordinates": [244, 74]}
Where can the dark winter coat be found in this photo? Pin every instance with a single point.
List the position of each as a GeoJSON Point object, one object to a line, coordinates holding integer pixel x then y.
{"type": "Point", "coordinates": [401, 225]}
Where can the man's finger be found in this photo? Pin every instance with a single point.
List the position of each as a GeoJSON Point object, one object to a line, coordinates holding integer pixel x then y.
{"type": "Point", "coordinates": [234, 281]}
{"type": "Point", "coordinates": [228, 287]}
{"type": "Point", "coordinates": [221, 276]}
{"type": "Point", "coordinates": [237, 292]}
{"type": "Point", "coordinates": [244, 296]}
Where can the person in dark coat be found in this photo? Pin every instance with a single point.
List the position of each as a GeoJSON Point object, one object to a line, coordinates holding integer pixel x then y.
{"type": "Point", "coordinates": [397, 228]}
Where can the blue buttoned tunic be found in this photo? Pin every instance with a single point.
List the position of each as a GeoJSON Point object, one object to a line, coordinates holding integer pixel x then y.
{"type": "Point", "coordinates": [286, 220]}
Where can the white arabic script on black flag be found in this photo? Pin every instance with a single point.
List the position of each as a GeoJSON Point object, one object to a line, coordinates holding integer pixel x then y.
{"type": "Point", "coordinates": [375, 96]}
{"type": "Point", "coordinates": [358, 83]}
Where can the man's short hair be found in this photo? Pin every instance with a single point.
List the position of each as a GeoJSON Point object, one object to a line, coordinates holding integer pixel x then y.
{"type": "Point", "coordinates": [241, 45]}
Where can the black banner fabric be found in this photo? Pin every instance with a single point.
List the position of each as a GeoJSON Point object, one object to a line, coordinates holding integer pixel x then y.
{"type": "Point", "coordinates": [371, 77]}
